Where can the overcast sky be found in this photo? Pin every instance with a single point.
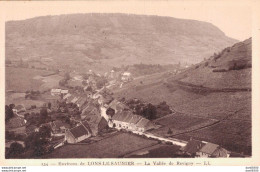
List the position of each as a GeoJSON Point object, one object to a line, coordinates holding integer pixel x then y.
{"type": "Point", "coordinates": [234, 19]}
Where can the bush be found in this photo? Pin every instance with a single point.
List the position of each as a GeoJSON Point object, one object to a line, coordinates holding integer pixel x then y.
{"type": "Point", "coordinates": [237, 64]}
{"type": "Point", "coordinates": [219, 70]}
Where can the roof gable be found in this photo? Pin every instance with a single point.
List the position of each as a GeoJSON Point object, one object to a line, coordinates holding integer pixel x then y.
{"type": "Point", "coordinates": [193, 146]}
{"type": "Point", "coordinates": [220, 152]}
{"type": "Point", "coordinates": [79, 131]}
{"type": "Point", "coordinates": [209, 148]}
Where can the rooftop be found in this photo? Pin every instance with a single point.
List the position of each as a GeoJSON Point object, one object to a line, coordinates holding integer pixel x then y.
{"type": "Point", "coordinates": [209, 148]}
{"type": "Point", "coordinates": [79, 131]}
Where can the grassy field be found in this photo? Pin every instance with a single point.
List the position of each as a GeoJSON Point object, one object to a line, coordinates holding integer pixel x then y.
{"type": "Point", "coordinates": [19, 98]}
{"type": "Point", "coordinates": [50, 82]}
{"type": "Point", "coordinates": [179, 123]}
{"type": "Point", "coordinates": [112, 147]}
{"type": "Point", "coordinates": [157, 151]}
{"type": "Point", "coordinates": [232, 135]}
{"type": "Point", "coordinates": [22, 79]}
{"type": "Point", "coordinates": [217, 105]}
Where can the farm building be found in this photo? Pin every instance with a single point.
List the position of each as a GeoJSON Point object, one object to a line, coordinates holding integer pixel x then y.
{"type": "Point", "coordinates": [65, 97]}
{"type": "Point", "coordinates": [75, 99]}
{"type": "Point", "coordinates": [212, 150]}
{"type": "Point", "coordinates": [192, 147]}
{"type": "Point", "coordinates": [90, 109]}
{"type": "Point", "coordinates": [78, 133]}
{"type": "Point", "coordinates": [64, 92]}
{"type": "Point", "coordinates": [197, 148]}
{"type": "Point", "coordinates": [126, 76]}
{"type": "Point", "coordinates": [91, 113]}
{"type": "Point", "coordinates": [117, 105]}
{"type": "Point", "coordinates": [127, 120]}
{"type": "Point", "coordinates": [55, 92]}
{"type": "Point", "coordinates": [104, 100]}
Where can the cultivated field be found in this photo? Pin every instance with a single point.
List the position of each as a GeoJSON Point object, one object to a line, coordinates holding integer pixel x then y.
{"type": "Point", "coordinates": [179, 123]}
{"type": "Point", "coordinates": [112, 147]}
{"type": "Point", "coordinates": [22, 79]}
{"type": "Point", "coordinates": [19, 98]}
{"type": "Point", "coordinates": [49, 82]}
{"type": "Point", "coordinates": [230, 134]}
{"type": "Point", "coordinates": [217, 105]}
{"type": "Point", "coordinates": [157, 151]}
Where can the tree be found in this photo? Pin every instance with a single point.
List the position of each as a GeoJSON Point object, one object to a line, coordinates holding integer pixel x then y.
{"type": "Point", "coordinates": [101, 81]}
{"type": "Point", "coordinates": [15, 149]}
{"type": "Point", "coordinates": [149, 112]}
{"type": "Point", "coordinates": [67, 76]}
{"type": "Point", "coordinates": [38, 141]}
{"type": "Point", "coordinates": [43, 115]}
{"type": "Point", "coordinates": [110, 112]}
{"type": "Point", "coordinates": [45, 132]}
{"type": "Point", "coordinates": [49, 105]}
{"type": "Point", "coordinates": [9, 112]}
{"type": "Point", "coordinates": [169, 131]}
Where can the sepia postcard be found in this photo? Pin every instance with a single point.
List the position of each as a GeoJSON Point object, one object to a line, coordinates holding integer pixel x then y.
{"type": "Point", "coordinates": [130, 83]}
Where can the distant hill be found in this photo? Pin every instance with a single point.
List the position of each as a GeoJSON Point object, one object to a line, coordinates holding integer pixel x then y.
{"type": "Point", "coordinates": [218, 88]}
{"type": "Point", "coordinates": [101, 41]}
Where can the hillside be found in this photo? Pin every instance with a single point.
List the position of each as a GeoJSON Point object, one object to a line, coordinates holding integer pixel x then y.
{"type": "Point", "coordinates": [101, 41]}
{"type": "Point", "coordinates": [218, 89]}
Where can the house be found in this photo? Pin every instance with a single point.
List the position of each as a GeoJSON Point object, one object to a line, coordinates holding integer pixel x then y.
{"type": "Point", "coordinates": [78, 133]}
{"type": "Point", "coordinates": [69, 99]}
{"type": "Point", "coordinates": [212, 150]}
{"type": "Point", "coordinates": [89, 110]}
{"type": "Point", "coordinates": [74, 100]}
{"type": "Point", "coordinates": [145, 125]}
{"type": "Point", "coordinates": [117, 106]}
{"type": "Point", "coordinates": [64, 92]}
{"type": "Point", "coordinates": [127, 120]}
{"type": "Point", "coordinates": [18, 109]}
{"type": "Point", "coordinates": [104, 100]}
{"type": "Point", "coordinates": [192, 147]}
{"type": "Point", "coordinates": [126, 76]}
{"type": "Point", "coordinates": [55, 92]}
{"type": "Point", "coordinates": [102, 125]}
{"type": "Point", "coordinates": [92, 114]}
{"type": "Point", "coordinates": [65, 97]}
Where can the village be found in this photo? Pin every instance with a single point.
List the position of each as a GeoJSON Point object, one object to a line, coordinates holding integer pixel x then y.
{"type": "Point", "coordinates": [83, 112]}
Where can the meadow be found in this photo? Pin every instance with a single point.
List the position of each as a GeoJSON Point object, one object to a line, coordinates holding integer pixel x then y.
{"type": "Point", "coordinates": [111, 147]}
{"type": "Point", "coordinates": [22, 79]}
